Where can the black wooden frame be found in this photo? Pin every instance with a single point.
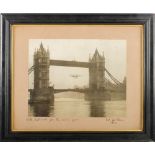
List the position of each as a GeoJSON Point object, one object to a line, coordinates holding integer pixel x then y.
{"type": "Point", "coordinates": [148, 134]}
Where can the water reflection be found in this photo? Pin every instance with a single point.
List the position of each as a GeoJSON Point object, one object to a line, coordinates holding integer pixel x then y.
{"type": "Point", "coordinates": [97, 108]}
{"type": "Point", "coordinates": [41, 109]}
{"type": "Point", "coordinates": [69, 107]}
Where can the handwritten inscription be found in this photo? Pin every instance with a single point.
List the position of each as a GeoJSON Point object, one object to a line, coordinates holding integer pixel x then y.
{"type": "Point", "coordinates": [51, 119]}
{"type": "Point", "coordinates": [55, 119]}
{"type": "Point", "coordinates": [113, 120]}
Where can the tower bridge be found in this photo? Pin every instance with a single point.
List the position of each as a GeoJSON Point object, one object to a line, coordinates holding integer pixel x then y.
{"type": "Point", "coordinates": [99, 86]}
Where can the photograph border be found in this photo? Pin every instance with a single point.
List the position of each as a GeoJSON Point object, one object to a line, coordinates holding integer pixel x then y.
{"type": "Point", "coordinates": [147, 20]}
{"type": "Point", "coordinates": [118, 121]}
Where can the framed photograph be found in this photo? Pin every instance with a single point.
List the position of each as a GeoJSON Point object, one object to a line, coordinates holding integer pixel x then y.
{"type": "Point", "coordinates": [77, 77]}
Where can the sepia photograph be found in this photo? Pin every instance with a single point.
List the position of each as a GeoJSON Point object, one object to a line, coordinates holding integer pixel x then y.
{"type": "Point", "coordinates": [77, 78]}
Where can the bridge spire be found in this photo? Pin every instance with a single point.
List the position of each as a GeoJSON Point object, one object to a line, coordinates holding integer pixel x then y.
{"type": "Point", "coordinates": [96, 52]}
{"type": "Point", "coordinates": [41, 46]}
{"type": "Point", "coordinates": [96, 57]}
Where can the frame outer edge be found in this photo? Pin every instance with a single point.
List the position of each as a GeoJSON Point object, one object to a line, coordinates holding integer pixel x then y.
{"type": "Point", "coordinates": [4, 127]}
{"type": "Point", "coordinates": [151, 75]}
{"type": "Point", "coordinates": [148, 76]}
{"type": "Point", "coordinates": [0, 76]}
{"type": "Point", "coordinates": [153, 80]}
{"type": "Point", "coordinates": [5, 78]}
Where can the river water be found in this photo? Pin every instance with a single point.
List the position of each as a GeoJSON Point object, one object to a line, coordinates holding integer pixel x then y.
{"type": "Point", "coordinates": [76, 106]}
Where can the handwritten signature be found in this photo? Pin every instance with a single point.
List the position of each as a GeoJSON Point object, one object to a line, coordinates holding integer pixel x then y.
{"type": "Point", "coordinates": [113, 120]}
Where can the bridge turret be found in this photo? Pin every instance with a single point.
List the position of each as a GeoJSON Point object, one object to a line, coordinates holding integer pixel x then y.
{"type": "Point", "coordinates": [42, 92]}
{"type": "Point", "coordinates": [41, 68]}
{"type": "Point", "coordinates": [97, 71]}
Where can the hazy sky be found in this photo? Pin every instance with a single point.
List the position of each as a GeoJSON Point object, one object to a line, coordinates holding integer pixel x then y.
{"type": "Point", "coordinates": [79, 50]}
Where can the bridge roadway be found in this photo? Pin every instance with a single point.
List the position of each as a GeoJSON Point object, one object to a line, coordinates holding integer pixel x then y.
{"type": "Point", "coordinates": [73, 90]}
{"type": "Point", "coordinates": [69, 63]}
{"type": "Point", "coordinates": [65, 90]}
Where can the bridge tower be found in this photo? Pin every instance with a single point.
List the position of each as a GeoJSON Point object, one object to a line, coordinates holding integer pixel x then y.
{"type": "Point", "coordinates": [41, 91]}
{"type": "Point", "coordinates": [41, 69]}
{"type": "Point", "coordinates": [97, 71]}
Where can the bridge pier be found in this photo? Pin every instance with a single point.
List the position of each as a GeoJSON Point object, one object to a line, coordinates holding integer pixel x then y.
{"type": "Point", "coordinates": [42, 96]}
